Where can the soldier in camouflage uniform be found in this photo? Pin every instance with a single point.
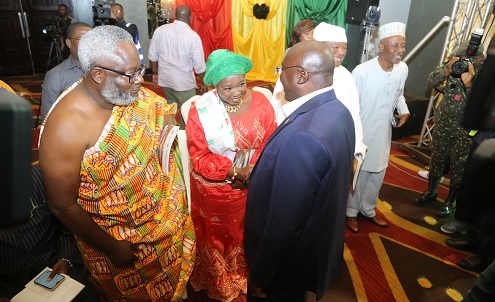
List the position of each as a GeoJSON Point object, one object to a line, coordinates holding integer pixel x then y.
{"type": "Point", "coordinates": [449, 138]}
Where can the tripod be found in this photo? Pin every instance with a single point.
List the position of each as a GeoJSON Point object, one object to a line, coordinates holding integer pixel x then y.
{"type": "Point", "coordinates": [55, 54]}
{"type": "Point", "coordinates": [367, 28]}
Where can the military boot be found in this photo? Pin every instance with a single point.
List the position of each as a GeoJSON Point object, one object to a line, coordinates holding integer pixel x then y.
{"type": "Point", "coordinates": [430, 194]}
{"type": "Point", "coordinates": [449, 205]}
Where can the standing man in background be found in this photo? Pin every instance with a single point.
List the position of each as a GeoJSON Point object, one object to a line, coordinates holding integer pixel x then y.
{"type": "Point", "coordinates": [451, 142]}
{"type": "Point", "coordinates": [118, 14]}
{"type": "Point", "coordinates": [380, 83]}
{"type": "Point", "coordinates": [343, 82]}
{"type": "Point", "coordinates": [63, 23]}
{"type": "Point", "coordinates": [66, 73]}
{"type": "Point", "coordinates": [175, 54]}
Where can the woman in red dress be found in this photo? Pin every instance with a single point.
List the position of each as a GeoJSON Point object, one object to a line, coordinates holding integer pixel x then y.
{"type": "Point", "coordinates": [226, 131]}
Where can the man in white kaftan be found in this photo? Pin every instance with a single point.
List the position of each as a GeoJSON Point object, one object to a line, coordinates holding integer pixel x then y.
{"type": "Point", "coordinates": [343, 82]}
{"type": "Point", "coordinates": [380, 83]}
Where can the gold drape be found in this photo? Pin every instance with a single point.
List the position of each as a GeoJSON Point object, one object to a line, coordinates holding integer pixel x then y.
{"type": "Point", "coordinates": [261, 40]}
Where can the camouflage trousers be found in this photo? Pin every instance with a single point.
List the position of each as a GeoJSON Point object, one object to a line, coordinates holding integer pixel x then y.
{"type": "Point", "coordinates": [449, 143]}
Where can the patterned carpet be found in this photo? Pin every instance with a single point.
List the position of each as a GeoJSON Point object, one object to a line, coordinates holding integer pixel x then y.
{"type": "Point", "coordinates": [408, 261]}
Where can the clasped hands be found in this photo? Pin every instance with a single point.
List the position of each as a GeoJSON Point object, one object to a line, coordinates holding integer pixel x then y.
{"type": "Point", "coordinates": [239, 177]}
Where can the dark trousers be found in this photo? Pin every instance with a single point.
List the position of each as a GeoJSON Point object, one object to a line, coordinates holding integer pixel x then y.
{"type": "Point", "coordinates": [300, 295]}
{"type": "Point", "coordinates": [484, 287]}
{"type": "Point", "coordinates": [80, 274]}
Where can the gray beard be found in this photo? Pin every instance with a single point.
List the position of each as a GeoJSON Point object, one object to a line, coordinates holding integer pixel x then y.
{"type": "Point", "coordinates": [115, 96]}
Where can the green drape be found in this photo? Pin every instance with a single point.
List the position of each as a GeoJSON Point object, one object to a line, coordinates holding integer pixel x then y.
{"type": "Point", "coordinates": [330, 11]}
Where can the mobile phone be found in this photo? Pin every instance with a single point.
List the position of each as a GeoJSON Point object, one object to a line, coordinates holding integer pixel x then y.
{"type": "Point", "coordinates": [52, 284]}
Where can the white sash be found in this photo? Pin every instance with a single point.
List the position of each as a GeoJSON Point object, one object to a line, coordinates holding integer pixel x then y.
{"type": "Point", "coordinates": [216, 124]}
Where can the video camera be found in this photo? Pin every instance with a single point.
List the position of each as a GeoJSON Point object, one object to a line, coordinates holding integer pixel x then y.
{"type": "Point", "coordinates": [102, 12]}
{"type": "Point", "coordinates": [373, 15]}
{"type": "Point", "coordinates": [54, 26]}
{"type": "Point", "coordinates": [461, 66]}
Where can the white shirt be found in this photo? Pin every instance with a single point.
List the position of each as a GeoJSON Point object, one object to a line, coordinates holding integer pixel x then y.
{"type": "Point", "coordinates": [378, 92]}
{"type": "Point", "coordinates": [346, 92]}
{"type": "Point", "coordinates": [179, 51]}
{"type": "Point", "coordinates": [290, 107]}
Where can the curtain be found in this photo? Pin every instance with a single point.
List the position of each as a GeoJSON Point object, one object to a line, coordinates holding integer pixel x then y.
{"type": "Point", "coordinates": [211, 19]}
{"type": "Point", "coordinates": [261, 40]}
{"type": "Point", "coordinates": [331, 11]}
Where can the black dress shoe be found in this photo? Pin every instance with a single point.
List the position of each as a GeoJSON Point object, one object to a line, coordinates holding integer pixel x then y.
{"type": "Point", "coordinates": [473, 263]}
{"type": "Point", "coordinates": [460, 244]}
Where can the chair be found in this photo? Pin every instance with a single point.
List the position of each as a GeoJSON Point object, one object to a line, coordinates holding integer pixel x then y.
{"type": "Point", "coordinates": [265, 91]}
{"type": "Point", "coordinates": [184, 109]}
{"type": "Point", "coordinates": [184, 153]}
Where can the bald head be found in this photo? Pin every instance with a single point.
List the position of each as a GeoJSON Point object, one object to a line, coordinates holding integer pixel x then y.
{"type": "Point", "coordinates": [307, 67]}
{"type": "Point", "coordinates": [183, 13]}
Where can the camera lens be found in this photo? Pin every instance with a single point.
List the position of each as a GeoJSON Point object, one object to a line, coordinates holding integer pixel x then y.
{"type": "Point", "coordinates": [459, 67]}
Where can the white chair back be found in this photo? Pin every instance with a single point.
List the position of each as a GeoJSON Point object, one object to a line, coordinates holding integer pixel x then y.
{"type": "Point", "coordinates": [184, 109]}
{"type": "Point", "coordinates": [263, 90]}
{"type": "Point", "coordinates": [184, 153]}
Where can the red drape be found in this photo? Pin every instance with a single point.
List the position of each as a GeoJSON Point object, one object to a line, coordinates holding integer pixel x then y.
{"type": "Point", "coordinates": [211, 19]}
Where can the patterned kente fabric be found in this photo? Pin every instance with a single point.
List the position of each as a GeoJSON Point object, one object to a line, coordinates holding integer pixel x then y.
{"type": "Point", "coordinates": [127, 195]}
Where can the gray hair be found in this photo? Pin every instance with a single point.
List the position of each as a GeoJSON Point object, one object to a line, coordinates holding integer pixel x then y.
{"type": "Point", "coordinates": [101, 44]}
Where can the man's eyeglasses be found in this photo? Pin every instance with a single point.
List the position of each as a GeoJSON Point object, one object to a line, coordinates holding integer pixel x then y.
{"type": "Point", "coordinates": [75, 39]}
{"type": "Point", "coordinates": [133, 76]}
{"type": "Point", "coordinates": [279, 69]}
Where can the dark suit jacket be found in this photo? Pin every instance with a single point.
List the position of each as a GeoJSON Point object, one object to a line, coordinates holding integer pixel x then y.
{"type": "Point", "coordinates": [295, 212]}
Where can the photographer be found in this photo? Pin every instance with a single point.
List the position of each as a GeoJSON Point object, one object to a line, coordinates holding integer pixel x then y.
{"type": "Point", "coordinates": [449, 137]}
{"type": "Point", "coordinates": [118, 15]}
{"type": "Point", "coordinates": [64, 20]}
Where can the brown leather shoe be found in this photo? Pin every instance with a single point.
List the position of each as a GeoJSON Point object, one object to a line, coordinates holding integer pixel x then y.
{"type": "Point", "coordinates": [378, 221]}
{"type": "Point", "coordinates": [352, 224]}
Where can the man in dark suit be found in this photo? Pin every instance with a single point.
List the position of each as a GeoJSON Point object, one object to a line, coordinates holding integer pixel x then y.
{"type": "Point", "coordinates": [295, 212]}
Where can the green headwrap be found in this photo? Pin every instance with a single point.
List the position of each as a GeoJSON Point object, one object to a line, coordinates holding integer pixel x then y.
{"type": "Point", "coordinates": [223, 63]}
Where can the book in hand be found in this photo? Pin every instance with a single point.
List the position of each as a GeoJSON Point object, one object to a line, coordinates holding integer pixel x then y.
{"type": "Point", "coordinates": [358, 163]}
{"type": "Point", "coordinates": [243, 157]}
{"type": "Point", "coordinates": [167, 137]}
{"type": "Point", "coordinates": [36, 291]}
{"type": "Point", "coordinates": [394, 119]}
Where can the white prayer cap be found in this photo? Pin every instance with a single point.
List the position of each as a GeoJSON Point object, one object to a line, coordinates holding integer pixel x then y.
{"type": "Point", "coordinates": [391, 29]}
{"type": "Point", "coordinates": [328, 32]}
